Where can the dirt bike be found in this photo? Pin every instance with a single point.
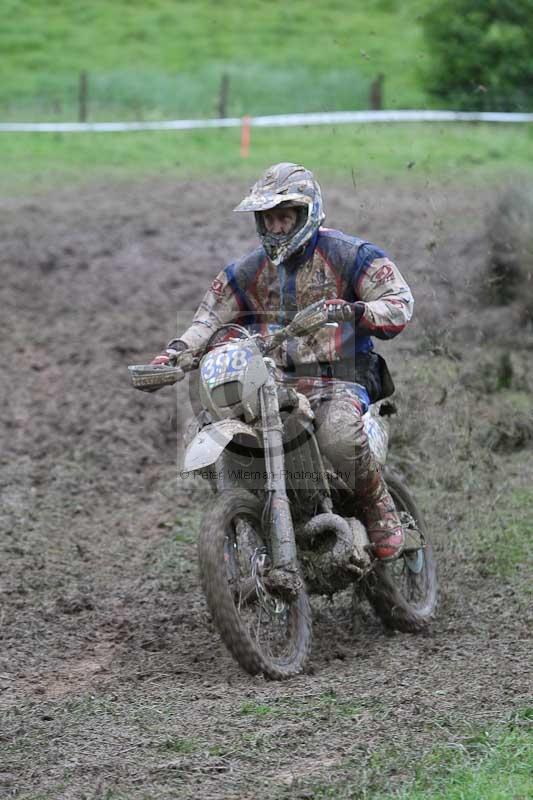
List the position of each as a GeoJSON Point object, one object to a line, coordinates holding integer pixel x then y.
{"type": "Point", "coordinates": [282, 525]}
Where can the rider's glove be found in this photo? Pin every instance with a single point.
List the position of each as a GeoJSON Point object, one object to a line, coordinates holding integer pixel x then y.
{"type": "Point", "coordinates": [170, 353]}
{"type": "Point", "coordinates": [342, 311]}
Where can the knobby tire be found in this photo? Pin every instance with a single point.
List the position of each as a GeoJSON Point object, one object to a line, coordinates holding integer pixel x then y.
{"type": "Point", "coordinates": [217, 525]}
{"type": "Point", "coordinates": [395, 610]}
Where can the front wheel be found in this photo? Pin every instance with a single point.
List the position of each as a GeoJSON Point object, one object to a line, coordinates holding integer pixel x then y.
{"type": "Point", "coordinates": [264, 631]}
{"type": "Point", "coordinates": [403, 592]}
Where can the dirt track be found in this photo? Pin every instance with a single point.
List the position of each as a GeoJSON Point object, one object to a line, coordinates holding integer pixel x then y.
{"type": "Point", "coordinates": [113, 682]}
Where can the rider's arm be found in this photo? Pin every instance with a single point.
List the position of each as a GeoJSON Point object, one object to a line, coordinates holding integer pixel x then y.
{"type": "Point", "coordinates": [388, 302]}
{"type": "Point", "coordinates": [218, 307]}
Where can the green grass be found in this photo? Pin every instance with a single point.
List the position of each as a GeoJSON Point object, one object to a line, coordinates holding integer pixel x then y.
{"type": "Point", "coordinates": [185, 527]}
{"type": "Point", "coordinates": [348, 152]}
{"type": "Point", "coordinates": [256, 709]}
{"type": "Point", "coordinates": [326, 705]}
{"type": "Point", "coordinates": [505, 542]}
{"type": "Point", "coordinates": [173, 561]}
{"type": "Point", "coordinates": [180, 746]}
{"type": "Point", "coordinates": [142, 734]}
{"type": "Point", "coordinates": [165, 57]}
{"type": "Point", "coordinates": [493, 765]}
{"type": "Point", "coordinates": [150, 95]}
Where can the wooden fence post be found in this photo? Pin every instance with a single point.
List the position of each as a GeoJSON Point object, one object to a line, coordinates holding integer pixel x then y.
{"type": "Point", "coordinates": [376, 93]}
{"type": "Point", "coordinates": [223, 96]}
{"type": "Point", "coordinates": [83, 96]}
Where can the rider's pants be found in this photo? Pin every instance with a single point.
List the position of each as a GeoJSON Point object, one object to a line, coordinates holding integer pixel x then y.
{"type": "Point", "coordinates": [342, 437]}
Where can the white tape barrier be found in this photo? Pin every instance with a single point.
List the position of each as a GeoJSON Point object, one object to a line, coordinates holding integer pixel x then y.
{"type": "Point", "coordinates": [281, 121]}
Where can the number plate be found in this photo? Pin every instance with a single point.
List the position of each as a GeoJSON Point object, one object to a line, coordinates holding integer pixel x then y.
{"type": "Point", "coordinates": [225, 364]}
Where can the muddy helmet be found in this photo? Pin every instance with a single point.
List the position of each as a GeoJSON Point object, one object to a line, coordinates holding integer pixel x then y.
{"type": "Point", "coordinates": [291, 185]}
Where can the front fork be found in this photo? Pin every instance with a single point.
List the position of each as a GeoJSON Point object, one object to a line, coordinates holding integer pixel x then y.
{"type": "Point", "coordinates": [278, 512]}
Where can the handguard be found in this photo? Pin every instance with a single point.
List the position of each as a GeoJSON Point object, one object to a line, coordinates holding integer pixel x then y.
{"type": "Point", "coordinates": [150, 377]}
{"type": "Point", "coordinates": [308, 320]}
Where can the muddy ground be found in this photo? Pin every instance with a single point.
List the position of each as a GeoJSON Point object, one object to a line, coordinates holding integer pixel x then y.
{"type": "Point", "coordinates": [113, 681]}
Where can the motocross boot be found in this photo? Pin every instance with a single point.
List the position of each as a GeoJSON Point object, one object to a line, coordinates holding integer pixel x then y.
{"type": "Point", "coordinates": [377, 507]}
{"type": "Point", "coordinates": [381, 519]}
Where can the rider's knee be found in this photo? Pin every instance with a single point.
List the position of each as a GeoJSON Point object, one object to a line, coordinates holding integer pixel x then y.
{"type": "Point", "coordinates": [340, 428]}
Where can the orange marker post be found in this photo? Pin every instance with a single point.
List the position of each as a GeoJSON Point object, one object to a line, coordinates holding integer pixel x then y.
{"type": "Point", "coordinates": [245, 136]}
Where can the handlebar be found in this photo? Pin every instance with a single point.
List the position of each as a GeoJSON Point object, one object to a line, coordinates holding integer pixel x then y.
{"type": "Point", "coordinates": [150, 377]}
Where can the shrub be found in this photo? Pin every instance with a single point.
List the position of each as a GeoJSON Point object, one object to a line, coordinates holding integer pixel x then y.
{"type": "Point", "coordinates": [509, 269]}
{"type": "Point", "coordinates": [481, 53]}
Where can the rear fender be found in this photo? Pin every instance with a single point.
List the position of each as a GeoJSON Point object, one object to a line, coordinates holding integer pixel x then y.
{"type": "Point", "coordinates": [212, 440]}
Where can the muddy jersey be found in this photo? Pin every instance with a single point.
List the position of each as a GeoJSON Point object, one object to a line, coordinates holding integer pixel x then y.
{"type": "Point", "coordinates": [255, 293]}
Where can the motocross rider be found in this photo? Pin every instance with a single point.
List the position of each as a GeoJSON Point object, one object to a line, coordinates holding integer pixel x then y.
{"type": "Point", "coordinates": [297, 263]}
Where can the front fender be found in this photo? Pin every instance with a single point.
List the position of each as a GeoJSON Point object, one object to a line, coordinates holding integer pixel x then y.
{"type": "Point", "coordinates": [212, 440]}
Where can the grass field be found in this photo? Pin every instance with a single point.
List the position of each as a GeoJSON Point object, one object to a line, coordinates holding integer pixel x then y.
{"type": "Point", "coordinates": [493, 764]}
{"type": "Point", "coordinates": [166, 58]}
{"type": "Point", "coordinates": [476, 152]}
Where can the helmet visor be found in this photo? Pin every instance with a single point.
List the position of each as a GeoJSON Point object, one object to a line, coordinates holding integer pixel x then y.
{"type": "Point", "coordinates": [264, 202]}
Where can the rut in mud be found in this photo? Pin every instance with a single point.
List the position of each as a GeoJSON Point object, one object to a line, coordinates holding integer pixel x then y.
{"type": "Point", "coordinates": [113, 681]}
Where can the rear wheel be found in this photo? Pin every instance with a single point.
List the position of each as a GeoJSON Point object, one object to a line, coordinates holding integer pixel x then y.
{"type": "Point", "coordinates": [266, 630]}
{"type": "Point", "coordinates": [403, 592]}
